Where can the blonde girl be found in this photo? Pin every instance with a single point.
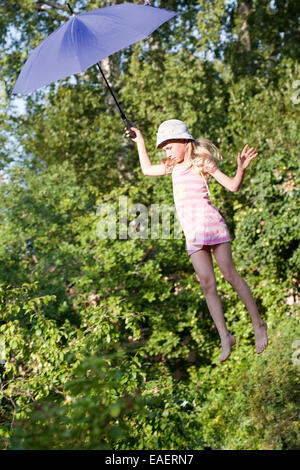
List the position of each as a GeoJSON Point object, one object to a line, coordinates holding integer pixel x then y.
{"type": "Point", "coordinates": [191, 163]}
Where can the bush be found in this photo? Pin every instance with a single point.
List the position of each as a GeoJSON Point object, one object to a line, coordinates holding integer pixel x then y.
{"type": "Point", "coordinates": [256, 403]}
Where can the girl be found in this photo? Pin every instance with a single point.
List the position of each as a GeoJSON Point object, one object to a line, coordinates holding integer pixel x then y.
{"type": "Point", "coordinates": [191, 163]}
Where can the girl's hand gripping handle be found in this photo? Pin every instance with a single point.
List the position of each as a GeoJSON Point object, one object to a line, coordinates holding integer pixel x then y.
{"type": "Point", "coordinates": [130, 133]}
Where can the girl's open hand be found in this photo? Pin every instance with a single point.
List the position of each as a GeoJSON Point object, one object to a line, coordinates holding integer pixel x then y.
{"type": "Point", "coordinates": [246, 157]}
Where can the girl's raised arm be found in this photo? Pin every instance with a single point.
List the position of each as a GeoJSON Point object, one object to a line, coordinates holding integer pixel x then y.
{"type": "Point", "coordinates": [224, 180]}
{"type": "Point", "coordinates": [147, 168]}
{"type": "Point", "coordinates": [244, 159]}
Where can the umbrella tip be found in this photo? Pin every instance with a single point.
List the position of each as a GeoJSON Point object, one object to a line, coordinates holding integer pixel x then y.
{"type": "Point", "coordinates": [147, 3]}
{"type": "Point", "coordinates": [70, 8]}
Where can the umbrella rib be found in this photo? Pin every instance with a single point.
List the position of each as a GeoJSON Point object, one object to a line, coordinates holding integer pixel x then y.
{"type": "Point", "coordinates": [75, 44]}
{"type": "Point", "coordinates": [117, 22]}
{"type": "Point", "coordinates": [38, 51]}
{"type": "Point", "coordinates": [73, 36]}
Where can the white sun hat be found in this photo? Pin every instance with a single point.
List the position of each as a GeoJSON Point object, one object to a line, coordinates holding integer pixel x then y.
{"type": "Point", "coordinates": [172, 129]}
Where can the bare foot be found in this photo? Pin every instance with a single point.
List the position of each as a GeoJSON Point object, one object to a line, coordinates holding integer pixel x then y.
{"type": "Point", "coordinates": [227, 343]}
{"type": "Point", "coordinates": [261, 337]}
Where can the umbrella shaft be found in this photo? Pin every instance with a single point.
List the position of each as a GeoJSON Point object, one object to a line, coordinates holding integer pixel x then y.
{"type": "Point", "coordinates": [112, 93]}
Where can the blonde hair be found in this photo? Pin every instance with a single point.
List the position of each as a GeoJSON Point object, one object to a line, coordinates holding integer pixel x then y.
{"type": "Point", "coordinates": [200, 154]}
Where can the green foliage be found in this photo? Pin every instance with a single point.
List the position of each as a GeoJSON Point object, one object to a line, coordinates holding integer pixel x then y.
{"type": "Point", "coordinates": [266, 212]}
{"type": "Point", "coordinates": [92, 414]}
{"type": "Point", "coordinates": [255, 404]}
{"type": "Point", "coordinates": [108, 342]}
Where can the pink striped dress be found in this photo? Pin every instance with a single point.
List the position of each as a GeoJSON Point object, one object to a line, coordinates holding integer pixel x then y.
{"type": "Point", "coordinates": [200, 221]}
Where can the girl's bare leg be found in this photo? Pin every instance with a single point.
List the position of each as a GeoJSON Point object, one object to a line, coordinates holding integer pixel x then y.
{"type": "Point", "coordinates": [202, 262]}
{"type": "Point", "coordinates": [223, 256]}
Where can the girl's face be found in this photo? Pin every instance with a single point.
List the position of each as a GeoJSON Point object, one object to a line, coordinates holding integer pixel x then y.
{"type": "Point", "coordinates": [175, 149]}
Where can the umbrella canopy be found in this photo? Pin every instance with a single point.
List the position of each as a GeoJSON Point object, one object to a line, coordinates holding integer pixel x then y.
{"type": "Point", "coordinates": [85, 39]}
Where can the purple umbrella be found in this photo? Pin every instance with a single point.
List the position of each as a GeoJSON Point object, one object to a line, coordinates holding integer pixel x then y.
{"type": "Point", "coordinates": [85, 39]}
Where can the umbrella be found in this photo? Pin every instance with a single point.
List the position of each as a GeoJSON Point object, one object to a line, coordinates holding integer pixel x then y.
{"type": "Point", "coordinates": [85, 39]}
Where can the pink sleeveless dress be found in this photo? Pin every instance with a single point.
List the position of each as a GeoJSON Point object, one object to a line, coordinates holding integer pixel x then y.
{"type": "Point", "coordinates": [200, 221]}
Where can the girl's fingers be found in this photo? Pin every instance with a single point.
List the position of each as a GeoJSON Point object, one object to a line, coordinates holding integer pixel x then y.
{"type": "Point", "coordinates": [253, 155]}
{"type": "Point", "coordinates": [248, 152]}
{"type": "Point", "coordinates": [127, 131]}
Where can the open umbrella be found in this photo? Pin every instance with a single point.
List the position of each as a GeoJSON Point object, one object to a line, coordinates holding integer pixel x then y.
{"type": "Point", "coordinates": [84, 40]}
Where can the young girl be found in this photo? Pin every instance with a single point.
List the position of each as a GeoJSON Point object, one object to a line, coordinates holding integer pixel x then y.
{"type": "Point", "coordinates": [191, 163]}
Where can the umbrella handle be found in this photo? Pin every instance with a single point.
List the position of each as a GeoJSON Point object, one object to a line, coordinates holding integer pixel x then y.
{"type": "Point", "coordinates": [129, 124]}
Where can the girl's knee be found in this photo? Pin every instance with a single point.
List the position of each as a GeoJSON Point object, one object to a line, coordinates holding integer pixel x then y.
{"type": "Point", "coordinates": [231, 276]}
{"type": "Point", "coordinates": [208, 285]}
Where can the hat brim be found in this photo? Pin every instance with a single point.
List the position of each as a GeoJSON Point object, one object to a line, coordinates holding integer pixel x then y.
{"type": "Point", "coordinates": [175, 139]}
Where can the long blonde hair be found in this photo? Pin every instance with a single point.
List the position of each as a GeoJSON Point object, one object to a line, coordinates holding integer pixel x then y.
{"type": "Point", "coordinates": [200, 154]}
